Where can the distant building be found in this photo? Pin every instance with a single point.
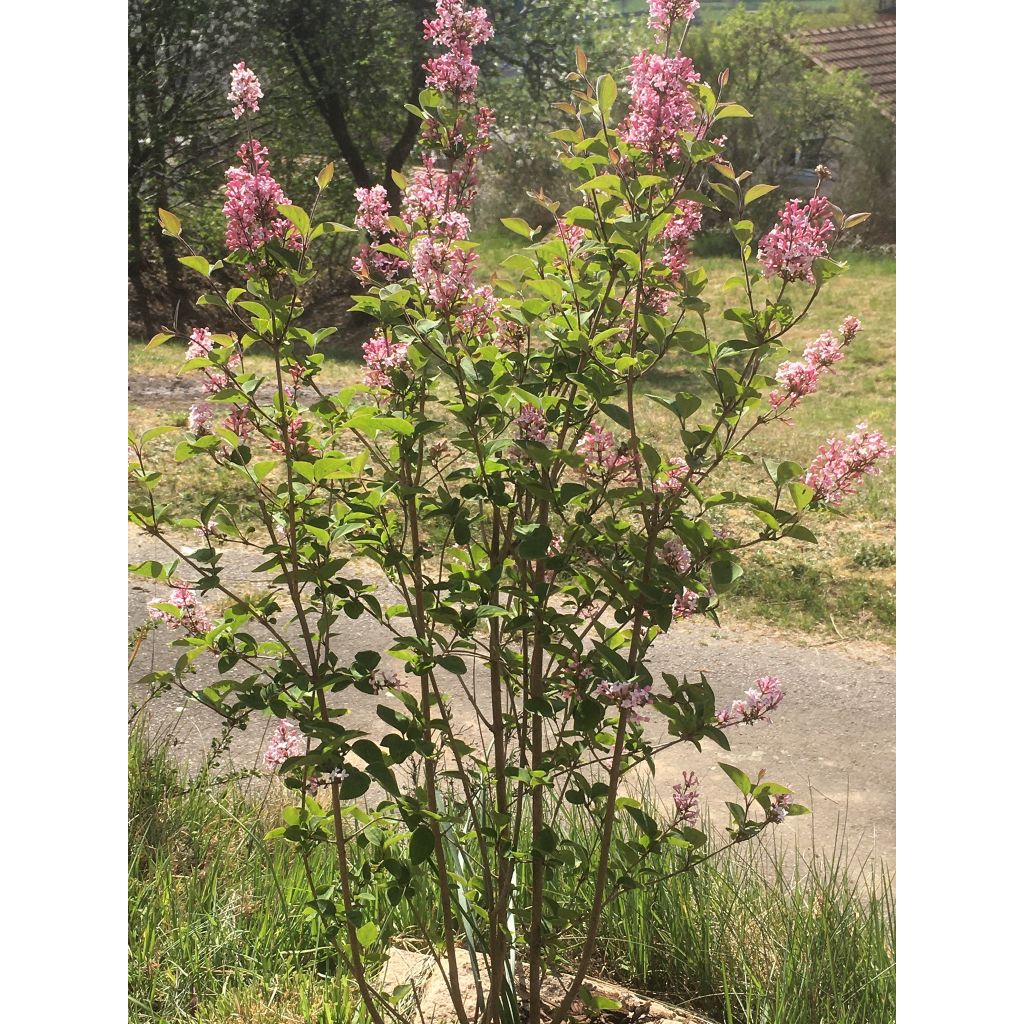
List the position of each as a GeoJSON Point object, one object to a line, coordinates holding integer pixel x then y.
{"type": "Point", "coordinates": [870, 49]}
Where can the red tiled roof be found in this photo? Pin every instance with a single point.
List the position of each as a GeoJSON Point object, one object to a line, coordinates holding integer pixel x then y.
{"type": "Point", "coordinates": [870, 49]}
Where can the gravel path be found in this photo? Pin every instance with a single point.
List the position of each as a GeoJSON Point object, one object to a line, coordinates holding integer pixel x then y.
{"type": "Point", "coordinates": [833, 741]}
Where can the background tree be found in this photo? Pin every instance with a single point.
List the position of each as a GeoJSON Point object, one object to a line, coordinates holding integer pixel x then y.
{"type": "Point", "coordinates": [178, 53]}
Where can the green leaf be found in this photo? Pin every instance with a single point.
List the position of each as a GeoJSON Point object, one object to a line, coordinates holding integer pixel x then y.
{"type": "Point", "coordinates": [800, 532]}
{"type": "Point", "coordinates": [297, 216]}
{"type": "Point", "coordinates": [536, 541]}
{"type": "Point", "coordinates": [518, 226]}
{"type": "Point", "coordinates": [158, 339]}
{"type": "Point", "coordinates": [607, 90]}
{"type": "Point", "coordinates": [801, 494]}
{"type": "Point", "coordinates": [616, 414]}
{"type": "Point", "coordinates": [854, 219]}
{"type": "Point", "coordinates": [725, 574]}
{"type": "Point", "coordinates": [197, 263]}
{"type": "Point", "coordinates": [170, 223]}
{"type": "Point", "coordinates": [367, 934]}
{"type": "Point", "coordinates": [732, 110]}
{"type": "Point", "coordinates": [421, 845]}
{"type": "Point", "coordinates": [755, 192]}
{"type": "Point", "coordinates": [738, 777]}
{"type": "Point", "coordinates": [323, 179]}
{"type": "Point", "coordinates": [825, 269]}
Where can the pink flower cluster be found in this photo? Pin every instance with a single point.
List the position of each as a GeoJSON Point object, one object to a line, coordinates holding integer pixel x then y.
{"type": "Point", "coordinates": [676, 554]}
{"type": "Point", "coordinates": [295, 425]}
{"type": "Point", "coordinates": [602, 453]}
{"type": "Point", "coordinates": [287, 741]}
{"type": "Point", "coordinates": [383, 680]}
{"type": "Point", "coordinates": [780, 808]}
{"type": "Point", "coordinates": [677, 234]}
{"type": "Point", "coordinates": [761, 699]}
{"type": "Point", "coordinates": [666, 13]}
{"type": "Point", "coordinates": [686, 797]}
{"type": "Point", "coordinates": [383, 357]}
{"type": "Point", "coordinates": [531, 425]}
{"type": "Point", "coordinates": [458, 30]}
{"type": "Point", "coordinates": [442, 270]}
{"type": "Point", "coordinates": [240, 422]}
{"type": "Point", "coordinates": [245, 91]}
{"type": "Point", "coordinates": [801, 379]}
{"type": "Point", "coordinates": [628, 696]}
{"type": "Point", "coordinates": [200, 344]}
{"type": "Point", "coordinates": [253, 197]}
{"type": "Point", "coordinates": [372, 215]}
{"type": "Point", "coordinates": [802, 234]}
{"type": "Point", "coordinates": [672, 482]}
{"type": "Point", "coordinates": [661, 105]}
{"type": "Point", "coordinates": [685, 604]}
{"type": "Point", "coordinates": [193, 619]}
{"type": "Point", "coordinates": [571, 234]}
{"type": "Point", "coordinates": [842, 463]}
{"type": "Point", "coordinates": [200, 416]}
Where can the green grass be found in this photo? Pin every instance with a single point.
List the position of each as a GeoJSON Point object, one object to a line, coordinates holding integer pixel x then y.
{"type": "Point", "coordinates": [822, 589]}
{"type": "Point", "coordinates": [217, 932]}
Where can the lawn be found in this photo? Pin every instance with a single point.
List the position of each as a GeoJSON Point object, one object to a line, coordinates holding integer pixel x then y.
{"type": "Point", "coordinates": [845, 584]}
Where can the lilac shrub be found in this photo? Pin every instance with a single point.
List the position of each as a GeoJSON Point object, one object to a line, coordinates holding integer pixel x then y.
{"type": "Point", "coordinates": [493, 466]}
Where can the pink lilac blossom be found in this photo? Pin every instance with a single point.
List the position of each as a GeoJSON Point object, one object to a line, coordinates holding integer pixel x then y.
{"type": "Point", "coordinates": [676, 554]}
{"type": "Point", "coordinates": [443, 270]}
{"type": "Point", "coordinates": [245, 91]}
{"type": "Point", "coordinates": [673, 480]}
{"type": "Point", "coordinates": [602, 453]}
{"type": "Point", "coordinates": [574, 680]}
{"type": "Point", "coordinates": [373, 209]}
{"type": "Point", "coordinates": [800, 237]}
{"type": "Point", "coordinates": [685, 604]}
{"type": "Point", "coordinates": [287, 741]}
{"type": "Point", "coordinates": [571, 234]}
{"type": "Point", "coordinates": [761, 699]}
{"type": "Point", "coordinates": [655, 298]}
{"type": "Point", "coordinates": [825, 351]}
{"type": "Point", "coordinates": [511, 335]}
{"type": "Point", "coordinates": [455, 24]}
{"type": "Point", "coordinates": [531, 425]}
{"type": "Point", "coordinates": [666, 13]}
{"type": "Point", "coordinates": [661, 105]}
{"type": "Point", "coordinates": [686, 797]}
{"type": "Point", "coordinates": [240, 422]}
{"type": "Point", "coordinates": [454, 72]}
{"type": "Point", "coordinates": [252, 199]}
{"type": "Point", "coordinates": [383, 680]}
{"type": "Point", "coordinates": [780, 808]}
{"type": "Point", "coordinates": [369, 263]}
{"type": "Point", "coordinates": [200, 344]}
{"type": "Point", "coordinates": [383, 357]}
{"type": "Point", "coordinates": [842, 463]}
{"type": "Point", "coordinates": [798, 379]}
{"type": "Point", "coordinates": [200, 416]}
{"type": "Point", "coordinates": [458, 30]}
{"type": "Point", "coordinates": [193, 619]}
{"type": "Point", "coordinates": [628, 696]}
{"type": "Point", "coordinates": [477, 311]}
{"type": "Point", "coordinates": [295, 426]}
{"type": "Point", "coordinates": [677, 234]}
{"type": "Point", "coordinates": [851, 325]}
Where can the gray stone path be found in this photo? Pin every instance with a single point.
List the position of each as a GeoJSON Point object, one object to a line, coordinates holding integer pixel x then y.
{"type": "Point", "coordinates": [833, 741]}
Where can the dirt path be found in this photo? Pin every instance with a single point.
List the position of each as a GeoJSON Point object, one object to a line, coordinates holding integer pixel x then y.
{"type": "Point", "coordinates": [833, 741]}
